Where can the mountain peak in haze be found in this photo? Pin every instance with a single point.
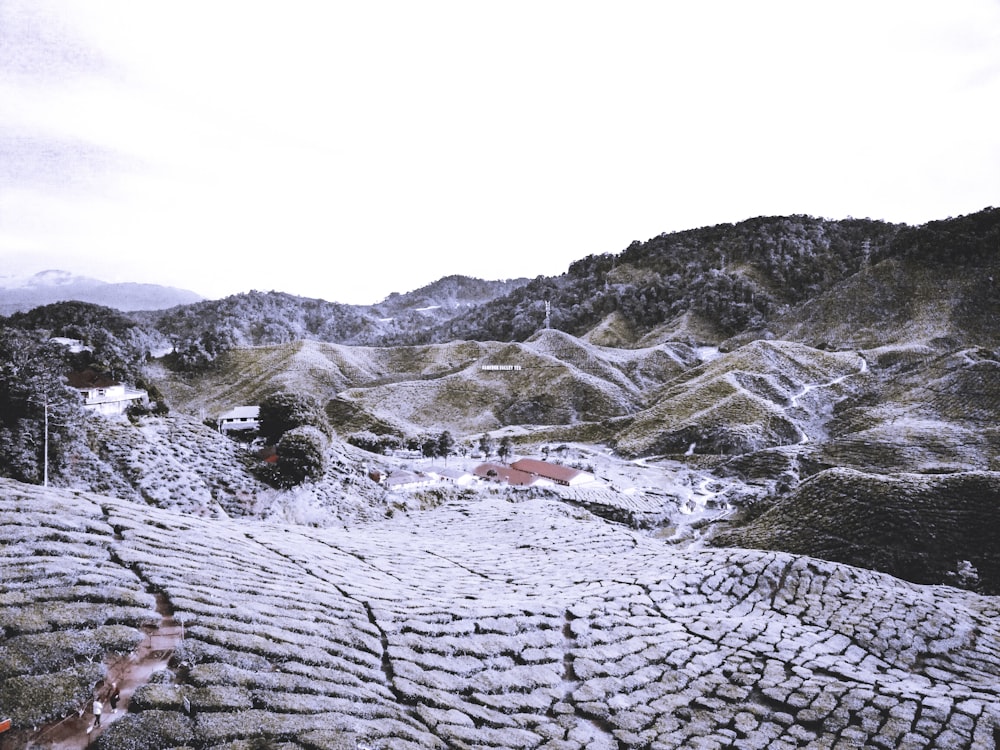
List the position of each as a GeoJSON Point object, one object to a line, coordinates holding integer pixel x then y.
{"type": "Point", "coordinates": [21, 293]}
{"type": "Point", "coordinates": [49, 278]}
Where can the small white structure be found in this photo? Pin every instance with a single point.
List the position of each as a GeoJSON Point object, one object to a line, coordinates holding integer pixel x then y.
{"type": "Point", "coordinates": [240, 418]}
{"type": "Point", "coordinates": [73, 345]}
{"type": "Point", "coordinates": [407, 480]}
{"type": "Point", "coordinates": [452, 476]}
{"type": "Point", "coordinates": [105, 396]}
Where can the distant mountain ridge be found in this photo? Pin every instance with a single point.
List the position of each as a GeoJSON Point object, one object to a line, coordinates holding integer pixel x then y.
{"type": "Point", "coordinates": [22, 293]}
{"type": "Point", "coordinates": [202, 331]}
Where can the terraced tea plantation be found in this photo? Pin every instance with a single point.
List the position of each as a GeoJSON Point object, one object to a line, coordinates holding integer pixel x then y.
{"type": "Point", "coordinates": [490, 623]}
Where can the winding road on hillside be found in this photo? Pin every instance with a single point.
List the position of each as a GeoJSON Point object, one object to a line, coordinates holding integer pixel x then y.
{"type": "Point", "coordinates": [809, 387]}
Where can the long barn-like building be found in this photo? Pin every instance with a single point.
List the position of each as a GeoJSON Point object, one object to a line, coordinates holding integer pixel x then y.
{"type": "Point", "coordinates": [559, 474]}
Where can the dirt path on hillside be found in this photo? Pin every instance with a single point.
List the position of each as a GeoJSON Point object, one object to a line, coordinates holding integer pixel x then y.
{"type": "Point", "coordinates": [77, 731]}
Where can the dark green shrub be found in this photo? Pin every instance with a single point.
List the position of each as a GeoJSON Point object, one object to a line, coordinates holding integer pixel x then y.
{"type": "Point", "coordinates": [300, 456]}
{"type": "Point", "coordinates": [285, 411]}
{"type": "Point", "coordinates": [149, 730]}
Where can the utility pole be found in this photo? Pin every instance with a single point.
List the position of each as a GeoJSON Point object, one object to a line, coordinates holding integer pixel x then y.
{"type": "Point", "coordinates": [45, 440]}
{"type": "Point", "coordinates": [45, 476]}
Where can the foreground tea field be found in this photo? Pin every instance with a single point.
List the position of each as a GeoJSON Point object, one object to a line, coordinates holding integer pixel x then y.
{"type": "Point", "coordinates": [488, 624]}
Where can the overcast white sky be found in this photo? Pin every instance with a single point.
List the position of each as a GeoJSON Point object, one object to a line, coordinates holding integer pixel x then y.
{"type": "Point", "coordinates": [346, 150]}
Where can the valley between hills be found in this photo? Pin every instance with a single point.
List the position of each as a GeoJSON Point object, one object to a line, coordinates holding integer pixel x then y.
{"type": "Point", "coordinates": [790, 540]}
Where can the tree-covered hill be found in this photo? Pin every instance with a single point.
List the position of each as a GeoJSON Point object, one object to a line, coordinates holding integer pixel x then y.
{"type": "Point", "coordinates": [202, 331]}
{"type": "Point", "coordinates": [115, 342]}
{"type": "Point", "coordinates": [746, 278]}
{"type": "Point", "coordinates": [736, 276]}
{"type": "Point", "coordinates": [754, 279]}
{"type": "Point", "coordinates": [40, 416]}
{"type": "Point", "coordinates": [447, 295]}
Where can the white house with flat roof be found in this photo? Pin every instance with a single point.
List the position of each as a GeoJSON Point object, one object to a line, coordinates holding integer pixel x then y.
{"type": "Point", "coordinates": [104, 395]}
{"type": "Point", "coordinates": [240, 418]}
{"type": "Point", "coordinates": [458, 477]}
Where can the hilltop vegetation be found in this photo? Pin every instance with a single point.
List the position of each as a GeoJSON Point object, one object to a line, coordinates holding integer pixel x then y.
{"type": "Point", "coordinates": [784, 277]}
{"type": "Point", "coordinates": [736, 277]}
{"type": "Point", "coordinates": [203, 331]}
{"type": "Point", "coordinates": [924, 528]}
{"type": "Point", "coordinates": [36, 405]}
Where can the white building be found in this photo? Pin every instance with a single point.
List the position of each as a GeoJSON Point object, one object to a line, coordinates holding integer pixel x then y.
{"type": "Point", "coordinates": [452, 476]}
{"type": "Point", "coordinates": [407, 480]}
{"type": "Point", "coordinates": [240, 418]}
{"type": "Point", "coordinates": [105, 396]}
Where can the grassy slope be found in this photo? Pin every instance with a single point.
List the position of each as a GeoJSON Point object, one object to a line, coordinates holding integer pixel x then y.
{"type": "Point", "coordinates": [923, 410]}
{"type": "Point", "coordinates": [180, 463]}
{"type": "Point", "coordinates": [738, 403]}
{"type": "Point", "coordinates": [428, 388]}
{"type": "Point", "coordinates": [899, 302]}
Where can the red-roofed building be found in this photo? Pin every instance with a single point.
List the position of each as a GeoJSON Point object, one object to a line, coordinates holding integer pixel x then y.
{"type": "Point", "coordinates": [507, 475]}
{"type": "Point", "coordinates": [554, 472]}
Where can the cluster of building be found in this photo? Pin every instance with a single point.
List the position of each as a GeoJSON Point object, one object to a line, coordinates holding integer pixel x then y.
{"type": "Point", "coordinates": [525, 472]}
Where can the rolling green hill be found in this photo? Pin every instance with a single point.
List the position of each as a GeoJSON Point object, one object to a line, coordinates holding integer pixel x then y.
{"type": "Point", "coordinates": [924, 528]}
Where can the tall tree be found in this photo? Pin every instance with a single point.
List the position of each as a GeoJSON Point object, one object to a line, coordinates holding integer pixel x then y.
{"type": "Point", "coordinates": [301, 456]}
{"type": "Point", "coordinates": [486, 445]}
{"type": "Point", "coordinates": [445, 444]}
{"type": "Point", "coordinates": [284, 411]}
{"type": "Point", "coordinates": [505, 448]}
{"type": "Point", "coordinates": [429, 447]}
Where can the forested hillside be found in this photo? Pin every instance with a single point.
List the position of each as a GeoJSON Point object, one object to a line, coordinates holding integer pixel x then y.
{"type": "Point", "coordinates": [36, 405]}
{"type": "Point", "coordinates": [201, 332]}
{"type": "Point", "coordinates": [854, 283]}
{"type": "Point", "coordinates": [733, 279]}
{"type": "Point", "coordinates": [735, 276]}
